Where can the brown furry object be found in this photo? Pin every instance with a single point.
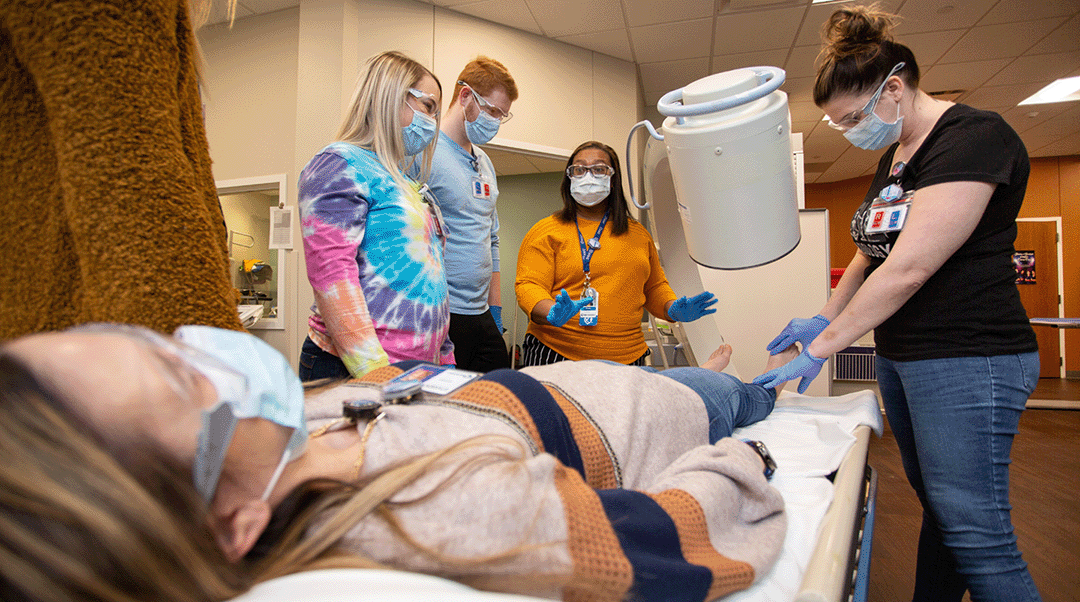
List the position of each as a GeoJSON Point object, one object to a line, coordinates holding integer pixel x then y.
{"type": "Point", "coordinates": [110, 212]}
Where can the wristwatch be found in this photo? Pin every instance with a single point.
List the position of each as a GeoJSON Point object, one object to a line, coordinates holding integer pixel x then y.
{"type": "Point", "coordinates": [766, 457]}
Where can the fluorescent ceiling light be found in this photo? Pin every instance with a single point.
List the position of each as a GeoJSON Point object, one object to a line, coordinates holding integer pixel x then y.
{"type": "Point", "coordinates": [1061, 90]}
{"type": "Point", "coordinates": [826, 1]}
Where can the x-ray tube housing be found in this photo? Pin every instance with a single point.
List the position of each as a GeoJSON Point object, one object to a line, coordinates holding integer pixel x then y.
{"type": "Point", "coordinates": [733, 170]}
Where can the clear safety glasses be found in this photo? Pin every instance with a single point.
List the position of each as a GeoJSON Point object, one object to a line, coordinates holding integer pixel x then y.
{"type": "Point", "coordinates": [184, 366]}
{"type": "Point", "coordinates": [490, 109]}
{"type": "Point", "coordinates": [852, 119]}
{"type": "Point", "coordinates": [428, 103]}
{"type": "Point", "coordinates": [599, 170]}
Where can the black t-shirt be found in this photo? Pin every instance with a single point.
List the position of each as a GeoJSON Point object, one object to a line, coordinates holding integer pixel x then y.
{"type": "Point", "coordinates": [970, 306]}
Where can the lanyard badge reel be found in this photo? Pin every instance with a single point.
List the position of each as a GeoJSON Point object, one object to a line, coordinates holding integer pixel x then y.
{"type": "Point", "coordinates": [589, 315]}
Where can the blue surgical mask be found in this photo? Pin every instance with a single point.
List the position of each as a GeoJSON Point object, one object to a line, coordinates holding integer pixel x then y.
{"type": "Point", "coordinates": [872, 133]}
{"type": "Point", "coordinates": [483, 129]}
{"type": "Point", "coordinates": [418, 134]}
{"type": "Point", "coordinates": [252, 380]}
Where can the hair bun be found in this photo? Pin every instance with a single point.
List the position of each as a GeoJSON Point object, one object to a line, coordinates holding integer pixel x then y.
{"type": "Point", "coordinates": [856, 30]}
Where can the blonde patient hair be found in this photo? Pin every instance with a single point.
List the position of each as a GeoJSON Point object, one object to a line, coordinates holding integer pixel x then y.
{"type": "Point", "coordinates": [372, 120]}
{"type": "Point", "coordinates": [82, 521]}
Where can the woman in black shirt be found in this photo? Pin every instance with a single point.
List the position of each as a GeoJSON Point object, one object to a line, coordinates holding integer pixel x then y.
{"type": "Point", "coordinates": [933, 278]}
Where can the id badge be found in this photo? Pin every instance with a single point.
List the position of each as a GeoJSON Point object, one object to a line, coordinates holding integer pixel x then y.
{"type": "Point", "coordinates": [589, 314]}
{"type": "Point", "coordinates": [440, 224]}
{"type": "Point", "coordinates": [481, 189]}
{"type": "Point", "coordinates": [888, 215]}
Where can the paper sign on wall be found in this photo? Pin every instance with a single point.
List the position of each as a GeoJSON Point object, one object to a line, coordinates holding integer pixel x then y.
{"type": "Point", "coordinates": [281, 230]}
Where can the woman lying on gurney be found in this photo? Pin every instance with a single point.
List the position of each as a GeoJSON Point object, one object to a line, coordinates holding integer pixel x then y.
{"type": "Point", "coordinates": [640, 495]}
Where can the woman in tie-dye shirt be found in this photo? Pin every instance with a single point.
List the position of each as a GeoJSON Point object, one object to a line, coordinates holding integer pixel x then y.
{"type": "Point", "coordinates": [372, 243]}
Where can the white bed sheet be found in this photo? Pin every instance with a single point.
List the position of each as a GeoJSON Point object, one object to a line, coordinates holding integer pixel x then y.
{"type": "Point", "coordinates": [808, 437]}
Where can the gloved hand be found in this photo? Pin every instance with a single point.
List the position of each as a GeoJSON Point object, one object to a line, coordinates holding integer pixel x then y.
{"type": "Point", "coordinates": [496, 312]}
{"type": "Point", "coordinates": [565, 308]}
{"type": "Point", "coordinates": [802, 330]}
{"type": "Point", "coordinates": [805, 365]}
{"type": "Point", "coordinates": [688, 309]}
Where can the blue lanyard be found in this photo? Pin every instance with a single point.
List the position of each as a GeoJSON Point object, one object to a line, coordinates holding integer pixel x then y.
{"type": "Point", "coordinates": [587, 250]}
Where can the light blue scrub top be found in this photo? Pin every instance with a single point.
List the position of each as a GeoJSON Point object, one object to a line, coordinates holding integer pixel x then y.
{"type": "Point", "coordinates": [472, 238]}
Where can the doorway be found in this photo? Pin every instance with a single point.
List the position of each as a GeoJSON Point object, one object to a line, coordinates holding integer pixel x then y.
{"type": "Point", "coordinates": [1039, 279]}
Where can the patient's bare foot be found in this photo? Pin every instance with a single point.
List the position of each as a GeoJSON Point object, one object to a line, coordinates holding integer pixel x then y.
{"type": "Point", "coordinates": [785, 356]}
{"type": "Point", "coordinates": [719, 358]}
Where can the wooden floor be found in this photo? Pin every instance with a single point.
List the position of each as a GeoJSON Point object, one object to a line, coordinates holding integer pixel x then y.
{"type": "Point", "coordinates": [1044, 490]}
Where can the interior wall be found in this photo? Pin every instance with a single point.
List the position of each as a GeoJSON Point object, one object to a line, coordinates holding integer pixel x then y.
{"type": "Point", "coordinates": [1053, 191]}
{"type": "Point", "coordinates": [523, 201]}
{"type": "Point", "coordinates": [277, 86]}
{"type": "Point", "coordinates": [249, 103]}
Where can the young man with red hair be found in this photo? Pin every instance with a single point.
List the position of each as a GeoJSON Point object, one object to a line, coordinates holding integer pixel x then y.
{"type": "Point", "coordinates": [463, 181]}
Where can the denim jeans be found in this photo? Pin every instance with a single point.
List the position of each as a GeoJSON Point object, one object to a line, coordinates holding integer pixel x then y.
{"type": "Point", "coordinates": [729, 402]}
{"type": "Point", "coordinates": [954, 420]}
{"type": "Point", "coordinates": [316, 364]}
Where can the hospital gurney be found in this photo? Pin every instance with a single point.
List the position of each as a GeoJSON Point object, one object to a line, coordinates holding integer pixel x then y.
{"type": "Point", "coordinates": [820, 445]}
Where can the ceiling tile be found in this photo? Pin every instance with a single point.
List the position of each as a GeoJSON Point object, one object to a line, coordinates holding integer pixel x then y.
{"type": "Point", "coordinates": [570, 17]}
{"type": "Point", "coordinates": [742, 32]}
{"type": "Point", "coordinates": [514, 13]}
{"type": "Point", "coordinates": [652, 12]}
{"type": "Point", "coordinates": [612, 43]}
{"type": "Point", "coordinates": [1028, 116]}
{"type": "Point", "coordinates": [800, 62]}
{"type": "Point", "coordinates": [930, 46]}
{"type": "Point", "coordinates": [768, 58]}
{"type": "Point", "coordinates": [661, 78]}
{"type": "Point", "coordinates": [823, 144]}
{"type": "Point", "coordinates": [935, 15]}
{"type": "Point", "coordinates": [804, 111]}
{"type": "Point", "coordinates": [991, 97]}
{"type": "Point", "coordinates": [960, 76]}
{"type": "Point", "coordinates": [1068, 145]}
{"type": "Point", "coordinates": [854, 162]}
{"type": "Point", "coordinates": [1062, 39]}
{"type": "Point", "coordinates": [1037, 68]}
{"type": "Point", "coordinates": [671, 41]}
{"type": "Point", "coordinates": [1029, 10]}
{"type": "Point", "coordinates": [454, 4]}
{"type": "Point", "coordinates": [999, 41]}
{"type": "Point", "coordinates": [801, 90]}
{"type": "Point", "coordinates": [818, 14]}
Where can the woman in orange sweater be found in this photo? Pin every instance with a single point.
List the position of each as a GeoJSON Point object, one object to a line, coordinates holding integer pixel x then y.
{"type": "Point", "coordinates": [586, 273]}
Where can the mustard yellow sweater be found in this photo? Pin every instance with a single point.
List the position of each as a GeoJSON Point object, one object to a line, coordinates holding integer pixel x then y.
{"type": "Point", "coordinates": [625, 271]}
{"type": "Point", "coordinates": [110, 207]}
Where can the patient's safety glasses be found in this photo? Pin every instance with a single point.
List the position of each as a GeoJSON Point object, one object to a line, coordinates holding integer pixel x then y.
{"type": "Point", "coordinates": [259, 386]}
{"type": "Point", "coordinates": [599, 170]}
{"type": "Point", "coordinates": [185, 368]}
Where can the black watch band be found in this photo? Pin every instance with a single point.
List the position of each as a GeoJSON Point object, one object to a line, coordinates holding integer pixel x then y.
{"type": "Point", "coordinates": [766, 457]}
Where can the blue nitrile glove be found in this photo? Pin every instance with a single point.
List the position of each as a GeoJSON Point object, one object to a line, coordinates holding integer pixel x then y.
{"type": "Point", "coordinates": [802, 330]}
{"type": "Point", "coordinates": [496, 312]}
{"type": "Point", "coordinates": [688, 309]}
{"type": "Point", "coordinates": [565, 308]}
{"type": "Point", "coordinates": [805, 365]}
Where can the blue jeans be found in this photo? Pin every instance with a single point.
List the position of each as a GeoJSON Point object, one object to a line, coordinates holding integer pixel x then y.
{"type": "Point", "coordinates": [316, 364]}
{"type": "Point", "coordinates": [954, 420]}
{"type": "Point", "coordinates": [729, 402]}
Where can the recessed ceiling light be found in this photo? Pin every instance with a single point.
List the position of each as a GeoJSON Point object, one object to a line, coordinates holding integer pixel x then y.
{"type": "Point", "coordinates": [1061, 90]}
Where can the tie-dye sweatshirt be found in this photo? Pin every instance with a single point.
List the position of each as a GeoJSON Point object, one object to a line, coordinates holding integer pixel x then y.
{"type": "Point", "coordinates": [375, 263]}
